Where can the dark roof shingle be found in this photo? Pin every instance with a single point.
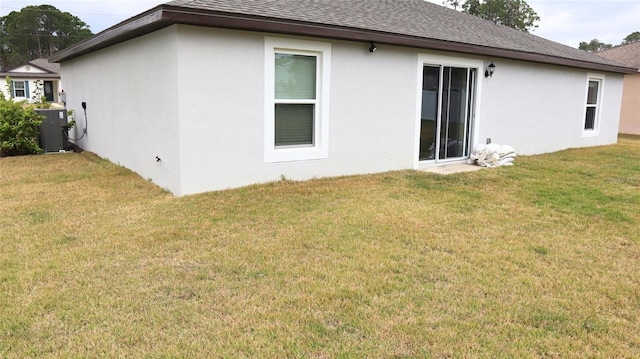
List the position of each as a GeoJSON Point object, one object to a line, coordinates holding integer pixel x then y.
{"type": "Point", "coordinates": [52, 70]}
{"type": "Point", "coordinates": [44, 64]}
{"type": "Point", "coordinates": [415, 23]}
{"type": "Point", "coordinates": [417, 18]}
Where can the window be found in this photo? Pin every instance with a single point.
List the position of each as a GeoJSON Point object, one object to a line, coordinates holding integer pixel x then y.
{"type": "Point", "coordinates": [20, 89]}
{"type": "Point", "coordinates": [296, 99]}
{"type": "Point", "coordinates": [593, 101]}
{"type": "Point", "coordinates": [592, 105]}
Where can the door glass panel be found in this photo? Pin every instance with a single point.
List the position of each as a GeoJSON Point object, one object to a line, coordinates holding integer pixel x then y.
{"type": "Point", "coordinates": [470, 104]}
{"type": "Point", "coordinates": [429, 113]}
{"type": "Point", "coordinates": [447, 103]}
{"type": "Point", "coordinates": [454, 113]}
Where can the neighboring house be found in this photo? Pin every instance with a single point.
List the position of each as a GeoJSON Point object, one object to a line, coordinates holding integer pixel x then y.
{"type": "Point", "coordinates": [33, 80]}
{"type": "Point", "coordinates": [630, 115]}
{"type": "Point", "coordinates": [213, 94]}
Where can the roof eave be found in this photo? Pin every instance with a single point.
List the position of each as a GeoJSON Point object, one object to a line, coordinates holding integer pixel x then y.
{"type": "Point", "coordinates": [29, 75]}
{"type": "Point", "coordinates": [142, 24]}
{"type": "Point", "coordinates": [165, 15]}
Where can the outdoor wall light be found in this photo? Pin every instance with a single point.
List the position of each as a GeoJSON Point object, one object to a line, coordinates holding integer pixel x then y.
{"type": "Point", "coordinates": [373, 47]}
{"type": "Point", "coordinates": [490, 70]}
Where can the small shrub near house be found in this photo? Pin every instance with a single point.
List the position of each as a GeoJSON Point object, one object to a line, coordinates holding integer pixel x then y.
{"type": "Point", "coordinates": [18, 128]}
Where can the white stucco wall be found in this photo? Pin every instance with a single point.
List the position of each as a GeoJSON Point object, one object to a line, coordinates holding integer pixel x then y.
{"type": "Point", "coordinates": [131, 94]}
{"type": "Point", "coordinates": [195, 97]}
{"type": "Point", "coordinates": [541, 108]}
{"type": "Point", "coordinates": [29, 69]}
{"type": "Point", "coordinates": [222, 111]}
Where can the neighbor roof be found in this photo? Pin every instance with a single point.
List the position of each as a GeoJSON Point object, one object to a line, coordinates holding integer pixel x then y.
{"type": "Point", "coordinates": [52, 70]}
{"type": "Point", "coordinates": [628, 54]}
{"type": "Point", "coordinates": [44, 64]}
{"type": "Point", "coordinates": [414, 23]}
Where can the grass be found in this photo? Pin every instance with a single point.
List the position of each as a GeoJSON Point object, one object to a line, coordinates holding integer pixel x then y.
{"type": "Point", "coordinates": [536, 260]}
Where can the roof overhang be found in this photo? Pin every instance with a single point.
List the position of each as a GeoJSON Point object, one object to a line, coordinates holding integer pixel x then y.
{"type": "Point", "coordinates": [166, 15]}
{"type": "Point", "coordinates": [29, 75]}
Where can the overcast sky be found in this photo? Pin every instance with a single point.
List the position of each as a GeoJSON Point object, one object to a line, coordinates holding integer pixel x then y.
{"type": "Point", "coordinates": [565, 21]}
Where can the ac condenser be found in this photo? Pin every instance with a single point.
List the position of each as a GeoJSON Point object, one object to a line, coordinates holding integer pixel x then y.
{"type": "Point", "coordinates": [53, 129]}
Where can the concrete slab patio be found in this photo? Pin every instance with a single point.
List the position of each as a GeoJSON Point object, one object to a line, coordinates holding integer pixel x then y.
{"type": "Point", "coordinates": [453, 168]}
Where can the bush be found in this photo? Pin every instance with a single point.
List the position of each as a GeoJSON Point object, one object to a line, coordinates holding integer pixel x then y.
{"type": "Point", "coordinates": [18, 129]}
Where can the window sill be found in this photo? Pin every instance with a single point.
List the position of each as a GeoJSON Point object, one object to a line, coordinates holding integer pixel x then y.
{"type": "Point", "coordinates": [590, 133]}
{"type": "Point", "coordinates": [295, 154]}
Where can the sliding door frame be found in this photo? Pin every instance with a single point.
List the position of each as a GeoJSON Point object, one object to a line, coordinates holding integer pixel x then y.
{"type": "Point", "coordinates": [474, 118]}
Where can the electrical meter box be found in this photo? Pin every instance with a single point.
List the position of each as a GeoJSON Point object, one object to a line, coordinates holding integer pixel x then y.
{"type": "Point", "coordinates": [53, 130]}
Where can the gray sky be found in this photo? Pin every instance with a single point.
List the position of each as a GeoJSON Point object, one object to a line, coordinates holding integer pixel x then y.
{"type": "Point", "coordinates": [565, 21]}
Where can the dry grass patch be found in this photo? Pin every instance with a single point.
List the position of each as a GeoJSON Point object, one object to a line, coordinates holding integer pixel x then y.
{"type": "Point", "coordinates": [535, 260]}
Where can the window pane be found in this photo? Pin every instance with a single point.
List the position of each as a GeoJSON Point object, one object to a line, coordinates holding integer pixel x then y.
{"type": "Point", "coordinates": [19, 89]}
{"type": "Point", "coordinates": [590, 119]}
{"type": "Point", "coordinates": [592, 94]}
{"type": "Point", "coordinates": [295, 76]}
{"type": "Point", "coordinates": [294, 125]}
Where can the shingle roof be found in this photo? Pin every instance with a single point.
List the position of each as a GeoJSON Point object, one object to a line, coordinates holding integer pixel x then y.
{"type": "Point", "coordinates": [415, 23]}
{"type": "Point", "coordinates": [628, 54]}
{"type": "Point", "coordinates": [44, 64]}
{"type": "Point", "coordinates": [53, 70]}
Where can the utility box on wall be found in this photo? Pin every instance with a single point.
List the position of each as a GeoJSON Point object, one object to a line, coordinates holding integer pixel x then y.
{"type": "Point", "coordinates": [53, 130]}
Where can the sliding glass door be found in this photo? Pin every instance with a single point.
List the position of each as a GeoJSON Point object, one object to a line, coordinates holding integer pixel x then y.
{"type": "Point", "coordinates": [446, 112]}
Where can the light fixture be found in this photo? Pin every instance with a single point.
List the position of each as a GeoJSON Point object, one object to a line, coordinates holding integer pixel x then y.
{"type": "Point", "coordinates": [490, 70]}
{"type": "Point", "coordinates": [373, 47]}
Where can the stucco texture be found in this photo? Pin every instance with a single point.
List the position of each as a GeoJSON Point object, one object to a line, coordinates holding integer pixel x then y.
{"type": "Point", "coordinates": [194, 97]}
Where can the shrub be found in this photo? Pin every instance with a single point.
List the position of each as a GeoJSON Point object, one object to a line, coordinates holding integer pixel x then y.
{"type": "Point", "coordinates": [18, 128]}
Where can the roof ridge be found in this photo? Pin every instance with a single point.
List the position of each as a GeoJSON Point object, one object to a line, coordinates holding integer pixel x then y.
{"type": "Point", "coordinates": [413, 23]}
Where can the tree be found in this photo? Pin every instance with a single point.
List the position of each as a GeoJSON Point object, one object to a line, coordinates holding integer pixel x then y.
{"type": "Point", "coordinates": [513, 13]}
{"type": "Point", "coordinates": [37, 32]}
{"type": "Point", "coordinates": [453, 3]}
{"type": "Point", "coordinates": [594, 46]}
{"type": "Point", "coordinates": [632, 37]}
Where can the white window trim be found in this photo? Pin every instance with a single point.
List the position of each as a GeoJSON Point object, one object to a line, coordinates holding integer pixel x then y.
{"type": "Point", "coordinates": [596, 124]}
{"type": "Point", "coordinates": [24, 88]}
{"type": "Point", "coordinates": [320, 148]}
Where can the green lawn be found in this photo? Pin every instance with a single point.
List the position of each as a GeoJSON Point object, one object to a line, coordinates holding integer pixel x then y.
{"type": "Point", "coordinates": [541, 259]}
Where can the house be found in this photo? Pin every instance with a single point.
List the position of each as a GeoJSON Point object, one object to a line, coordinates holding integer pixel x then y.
{"type": "Point", "coordinates": [629, 55]}
{"type": "Point", "coordinates": [33, 80]}
{"type": "Point", "coordinates": [213, 94]}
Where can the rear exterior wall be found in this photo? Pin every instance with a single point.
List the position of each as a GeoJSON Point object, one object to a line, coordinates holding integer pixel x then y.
{"type": "Point", "coordinates": [131, 94]}
{"type": "Point", "coordinates": [195, 98]}
{"type": "Point", "coordinates": [540, 108]}
{"type": "Point", "coordinates": [222, 111]}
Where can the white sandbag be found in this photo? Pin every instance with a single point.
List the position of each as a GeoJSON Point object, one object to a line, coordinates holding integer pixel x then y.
{"type": "Point", "coordinates": [505, 162]}
{"type": "Point", "coordinates": [493, 147]}
{"type": "Point", "coordinates": [492, 155]}
{"type": "Point", "coordinates": [505, 150]}
{"type": "Point", "coordinates": [480, 147]}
